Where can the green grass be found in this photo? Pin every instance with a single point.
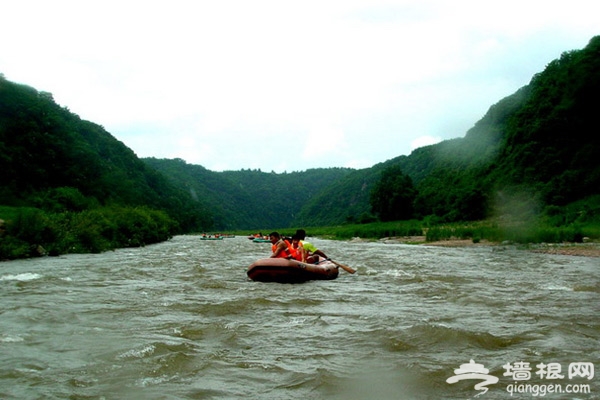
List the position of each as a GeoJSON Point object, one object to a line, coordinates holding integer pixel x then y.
{"type": "Point", "coordinates": [8, 213]}
{"type": "Point", "coordinates": [489, 230]}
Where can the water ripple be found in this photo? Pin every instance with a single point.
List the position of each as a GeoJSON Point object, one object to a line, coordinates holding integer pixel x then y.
{"type": "Point", "coordinates": [181, 320]}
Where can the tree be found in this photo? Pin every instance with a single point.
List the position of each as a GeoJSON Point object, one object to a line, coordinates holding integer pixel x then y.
{"type": "Point", "coordinates": [393, 195]}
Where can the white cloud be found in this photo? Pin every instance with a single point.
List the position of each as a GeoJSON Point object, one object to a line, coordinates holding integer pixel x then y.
{"type": "Point", "coordinates": [424, 141]}
{"type": "Point", "coordinates": [220, 83]}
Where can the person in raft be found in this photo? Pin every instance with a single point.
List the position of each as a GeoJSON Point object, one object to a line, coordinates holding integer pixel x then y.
{"type": "Point", "coordinates": [278, 246]}
{"type": "Point", "coordinates": [310, 249]}
{"type": "Point", "coordinates": [296, 250]}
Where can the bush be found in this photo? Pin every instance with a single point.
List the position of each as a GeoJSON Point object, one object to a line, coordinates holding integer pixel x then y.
{"type": "Point", "coordinates": [12, 248]}
{"type": "Point", "coordinates": [90, 231]}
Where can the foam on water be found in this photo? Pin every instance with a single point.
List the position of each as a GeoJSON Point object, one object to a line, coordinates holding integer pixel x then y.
{"type": "Point", "coordinates": [26, 276]}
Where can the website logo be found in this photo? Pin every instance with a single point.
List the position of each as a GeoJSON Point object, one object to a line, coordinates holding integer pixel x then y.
{"type": "Point", "coordinates": [520, 373]}
{"type": "Point", "coordinates": [476, 371]}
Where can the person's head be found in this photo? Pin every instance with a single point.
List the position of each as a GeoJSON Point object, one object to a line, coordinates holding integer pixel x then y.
{"type": "Point", "coordinates": [274, 237]}
{"type": "Point", "coordinates": [295, 241]}
{"type": "Point", "coordinates": [301, 233]}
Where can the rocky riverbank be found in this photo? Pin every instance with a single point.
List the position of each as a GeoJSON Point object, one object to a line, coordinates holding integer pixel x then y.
{"type": "Point", "coordinates": [590, 249]}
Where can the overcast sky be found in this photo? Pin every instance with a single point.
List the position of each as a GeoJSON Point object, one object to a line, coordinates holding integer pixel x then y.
{"type": "Point", "coordinates": [285, 85]}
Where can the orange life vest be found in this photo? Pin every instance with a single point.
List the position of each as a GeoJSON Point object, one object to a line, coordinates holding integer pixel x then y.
{"type": "Point", "coordinates": [285, 253]}
{"type": "Point", "coordinates": [296, 253]}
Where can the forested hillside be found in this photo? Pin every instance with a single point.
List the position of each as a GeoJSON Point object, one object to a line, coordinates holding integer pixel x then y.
{"type": "Point", "coordinates": [540, 145]}
{"type": "Point", "coordinates": [66, 183]}
{"type": "Point", "coordinates": [249, 199]}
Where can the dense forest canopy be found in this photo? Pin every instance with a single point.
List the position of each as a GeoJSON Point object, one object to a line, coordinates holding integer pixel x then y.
{"type": "Point", "coordinates": [44, 147]}
{"type": "Point", "coordinates": [540, 143]}
{"type": "Point", "coordinates": [249, 199]}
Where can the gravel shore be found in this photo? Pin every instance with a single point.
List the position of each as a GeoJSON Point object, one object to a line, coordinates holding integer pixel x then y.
{"type": "Point", "coordinates": [591, 249]}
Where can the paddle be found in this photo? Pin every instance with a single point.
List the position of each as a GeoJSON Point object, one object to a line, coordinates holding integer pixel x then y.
{"type": "Point", "coordinates": [344, 267]}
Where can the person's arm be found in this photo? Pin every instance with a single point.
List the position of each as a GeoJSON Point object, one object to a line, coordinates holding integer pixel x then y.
{"type": "Point", "coordinates": [281, 246]}
{"type": "Point", "coordinates": [304, 253]}
{"type": "Point", "coordinates": [312, 249]}
{"type": "Point", "coordinates": [320, 253]}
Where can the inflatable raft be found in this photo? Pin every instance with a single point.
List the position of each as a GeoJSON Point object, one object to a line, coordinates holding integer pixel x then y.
{"type": "Point", "coordinates": [291, 271]}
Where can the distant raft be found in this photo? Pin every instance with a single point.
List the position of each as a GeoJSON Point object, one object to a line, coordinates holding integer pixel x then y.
{"type": "Point", "coordinates": [282, 270]}
{"type": "Point", "coordinates": [211, 238]}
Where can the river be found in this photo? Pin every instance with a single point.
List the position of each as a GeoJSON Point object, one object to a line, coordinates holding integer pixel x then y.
{"type": "Point", "coordinates": [180, 320]}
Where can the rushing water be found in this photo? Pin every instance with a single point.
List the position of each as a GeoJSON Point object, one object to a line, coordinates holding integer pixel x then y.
{"type": "Point", "coordinates": [180, 320]}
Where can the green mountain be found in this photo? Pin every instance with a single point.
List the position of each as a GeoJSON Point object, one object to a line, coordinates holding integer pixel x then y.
{"type": "Point", "coordinates": [51, 160]}
{"type": "Point", "coordinates": [539, 145]}
{"type": "Point", "coordinates": [249, 199]}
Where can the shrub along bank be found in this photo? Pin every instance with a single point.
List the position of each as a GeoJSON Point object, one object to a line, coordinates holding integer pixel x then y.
{"type": "Point", "coordinates": [489, 230]}
{"type": "Point", "coordinates": [29, 232]}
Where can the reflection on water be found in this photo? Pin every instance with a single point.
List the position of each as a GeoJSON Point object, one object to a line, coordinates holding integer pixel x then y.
{"type": "Point", "coordinates": [181, 320]}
